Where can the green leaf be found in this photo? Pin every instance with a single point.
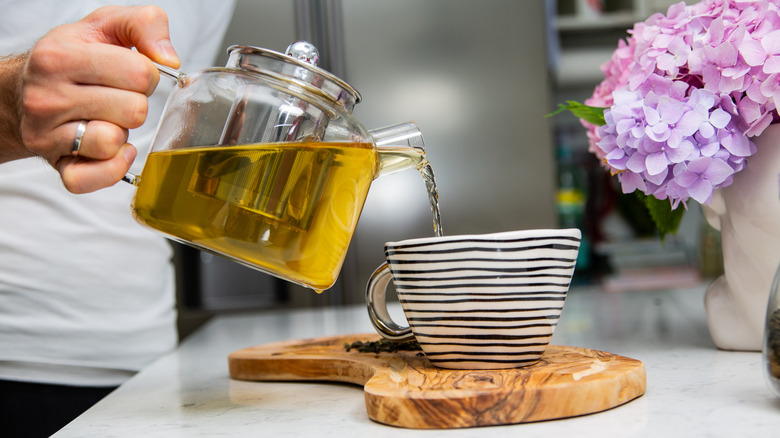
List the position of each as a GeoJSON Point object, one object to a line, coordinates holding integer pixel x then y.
{"type": "Point", "coordinates": [666, 219]}
{"type": "Point", "coordinates": [591, 114]}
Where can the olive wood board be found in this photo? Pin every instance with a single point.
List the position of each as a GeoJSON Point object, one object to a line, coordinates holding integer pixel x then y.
{"type": "Point", "coordinates": [403, 389]}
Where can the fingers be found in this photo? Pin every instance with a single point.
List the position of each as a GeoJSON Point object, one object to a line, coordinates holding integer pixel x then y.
{"type": "Point", "coordinates": [63, 56]}
{"type": "Point", "coordinates": [80, 175]}
{"type": "Point", "coordinates": [124, 108]}
{"type": "Point", "coordinates": [111, 113]}
{"type": "Point", "coordinates": [142, 27]}
{"type": "Point", "coordinates": [100, 141]}
{"type": "Point", "coordinates": [108, 66]}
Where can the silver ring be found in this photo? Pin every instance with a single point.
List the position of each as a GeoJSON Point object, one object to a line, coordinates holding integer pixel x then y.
{"type": "Point", "coordinates": [79, 135]}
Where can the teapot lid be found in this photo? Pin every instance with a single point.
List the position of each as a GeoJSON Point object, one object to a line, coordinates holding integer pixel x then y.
{"type": "Point", "coordinates": [297, 66]}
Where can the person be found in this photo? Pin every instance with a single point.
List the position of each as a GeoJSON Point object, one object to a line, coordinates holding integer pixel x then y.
{"type": "Point", "coordinates": [86, 293]}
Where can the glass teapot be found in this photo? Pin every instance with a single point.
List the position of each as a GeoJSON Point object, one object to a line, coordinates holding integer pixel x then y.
{"type": "Point", "coordinates": [262, 162]}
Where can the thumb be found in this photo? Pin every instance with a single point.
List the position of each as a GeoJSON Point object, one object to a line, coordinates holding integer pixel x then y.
{"type": "Point", "coordinates": [142, 27]}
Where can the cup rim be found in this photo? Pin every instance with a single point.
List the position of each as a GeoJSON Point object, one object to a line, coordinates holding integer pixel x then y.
{"type": "Point", "coordinates": [500, 236]}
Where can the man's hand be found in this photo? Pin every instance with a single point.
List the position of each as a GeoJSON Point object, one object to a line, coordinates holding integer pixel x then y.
{"type": "Point", "coordinates": [85, 71]}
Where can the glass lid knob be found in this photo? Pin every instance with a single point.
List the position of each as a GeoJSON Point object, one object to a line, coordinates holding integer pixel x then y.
{"type": "Point", "coordinates": [303, 51]}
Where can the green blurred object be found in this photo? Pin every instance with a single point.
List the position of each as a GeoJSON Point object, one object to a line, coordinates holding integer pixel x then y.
{"type": "Point", "coordinates": [634, 211]}
{"type": "Point", "coordinates": [571, 197]}
{"type": "Point", "coordinates": [710, 252]}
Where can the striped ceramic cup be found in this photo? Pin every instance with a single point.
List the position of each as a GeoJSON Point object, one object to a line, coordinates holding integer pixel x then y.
{"type": "Point", "coordinates": [486, 301]}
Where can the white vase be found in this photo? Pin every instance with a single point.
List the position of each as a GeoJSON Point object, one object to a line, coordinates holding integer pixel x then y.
{"type": "Point", "coordinates": [747, 213]}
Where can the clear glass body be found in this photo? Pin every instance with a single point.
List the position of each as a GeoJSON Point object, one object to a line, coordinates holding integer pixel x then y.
{"type": "Point", "coordinates": [265, 165]}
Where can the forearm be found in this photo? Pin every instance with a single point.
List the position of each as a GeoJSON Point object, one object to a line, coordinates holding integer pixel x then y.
{"type": "Point", "coordinates": [11, 146]}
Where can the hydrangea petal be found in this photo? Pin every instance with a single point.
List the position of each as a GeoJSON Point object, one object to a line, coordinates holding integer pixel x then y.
{"type": "Point", "coordinates": [759, 125]}
{"type": "Point", "coordinates": [771, 88]}
{"type": "Point", "coordinates": [752, 52]}
{"type": "Point", "coordinates": [656, 163]}
{"type": "Point", "coordinates": [630, 182]}
{"type": "Point", "coordinates": [659, 132]}
{"type": "Point", "coordinates": [771, 42]}
{"type": "Point", "coordinates": [706, 129]}
{"type": "Point", "coordinates": [736, 144]}
{"type": "Point", "coordinates": [667, 63]}
{"type": "Point", "coordinates": [772, 65]}
{"type": "Point", "coordinates": [636, 163]}
{"type": "Point", "coordinates": [709, 149]}
{"type": "Point", "coordinates": [701, 190]}
{"type": "Point", "coordinates": [615, 154]}
{"type": "Point", "coordinates": [625, 125]}
{"type": "Point", "coordinates": [670, 110]}
{"type": "Point", "coordinates": [651, 115]}
{"type": "Point", "coordinates": [686, 179]}
{"type": "Point", "coordinates": [728, 84]}
{"type": "Point", "coordinates": [717, 171]}
{"type": "Point", "coordinates": [682, 152]}
{"type": "Point", "coordinates": [723, 55]}
{"type": "Point", "coordinates": [689, 122]}
{"type": "Point", "coordinates": [749, 110]}
{"type": "Point", "coordinates": [719, 118]}
{"type": "Point", "coordinates": [638, 131]}
{"type": "Point", "coordinates": [699, 165]}
{"type": "Point", "coordinates": [657, 179]}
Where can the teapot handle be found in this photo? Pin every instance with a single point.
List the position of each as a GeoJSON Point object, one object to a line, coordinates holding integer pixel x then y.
{"type": "Point", "coordinates": [170, 72]}
{"type": "Point", "coordinates": [131, 178]}
{"type": "Point", "coordinates": [177, 76]}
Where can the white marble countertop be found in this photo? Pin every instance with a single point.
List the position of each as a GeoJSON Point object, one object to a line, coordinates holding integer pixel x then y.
{"type": "Point", "coordinates": [692, 388]}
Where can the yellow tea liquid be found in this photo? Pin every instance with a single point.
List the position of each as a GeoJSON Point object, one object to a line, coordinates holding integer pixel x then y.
{"type": "Point", "coordinates": [289, 209]}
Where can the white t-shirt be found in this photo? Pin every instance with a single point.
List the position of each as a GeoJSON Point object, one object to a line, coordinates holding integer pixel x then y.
{"type": "Point", "coordinates": [86, 293]}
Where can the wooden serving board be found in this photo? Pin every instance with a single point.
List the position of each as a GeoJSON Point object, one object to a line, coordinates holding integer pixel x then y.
{"type": "Point", "coordinates": [403, 389]}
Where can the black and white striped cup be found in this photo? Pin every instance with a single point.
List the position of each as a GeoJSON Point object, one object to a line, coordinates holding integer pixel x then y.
{"type": "Point", "coordinates": [486, 301]}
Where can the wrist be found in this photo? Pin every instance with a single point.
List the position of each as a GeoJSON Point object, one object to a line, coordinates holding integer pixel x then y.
{"type": "Point", "coordinates": [11, 145]}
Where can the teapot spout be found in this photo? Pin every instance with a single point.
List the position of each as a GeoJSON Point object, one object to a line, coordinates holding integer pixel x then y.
{"type": "Point", "coordinates": [400, 147]}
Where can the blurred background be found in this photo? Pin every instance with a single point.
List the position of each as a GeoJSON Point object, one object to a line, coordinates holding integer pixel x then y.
{"type": "Point", "coordinates": [478, 77]}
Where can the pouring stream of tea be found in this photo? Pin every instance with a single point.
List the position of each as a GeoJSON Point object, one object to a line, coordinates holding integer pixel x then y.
{"type": "Point", "coordinates": [433, 195]}
{"type": "Point", "coordinates": [394, 159]}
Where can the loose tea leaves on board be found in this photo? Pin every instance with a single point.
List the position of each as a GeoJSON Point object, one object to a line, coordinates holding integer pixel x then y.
{"type": "Point", "coordinates": [773, 344]}
{"type": "Point", "coordinates": [383, 346]}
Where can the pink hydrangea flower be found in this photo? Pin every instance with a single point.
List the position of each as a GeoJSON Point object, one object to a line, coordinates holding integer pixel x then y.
{"type": "Point", "coordinates": [684, 93]}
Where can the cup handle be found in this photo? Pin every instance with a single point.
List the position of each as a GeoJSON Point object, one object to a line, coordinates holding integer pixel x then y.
{"type": "Point", "coordinates": [377, 307]}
